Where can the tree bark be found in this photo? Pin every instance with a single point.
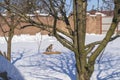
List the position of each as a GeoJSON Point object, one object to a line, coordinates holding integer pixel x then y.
{"type": "Point", "coordinates": [9, 49]}
{"type": "Point", "coordinates": [82, 70]}
{"type": "Point", "coordinates": [79, 39]}
{"type": "Point", "coordinates": [9, 43]}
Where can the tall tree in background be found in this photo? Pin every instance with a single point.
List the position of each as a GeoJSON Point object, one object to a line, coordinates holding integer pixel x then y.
{"type": "Point", "coordinates": [85, 55]}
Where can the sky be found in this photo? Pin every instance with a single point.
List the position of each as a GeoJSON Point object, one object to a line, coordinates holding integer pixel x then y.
{"type": "Point", "coordinates": [91, 3]}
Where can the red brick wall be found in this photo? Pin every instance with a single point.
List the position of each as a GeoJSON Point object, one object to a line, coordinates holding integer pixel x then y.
{"type": "Point", "coordinates": [93, 25]}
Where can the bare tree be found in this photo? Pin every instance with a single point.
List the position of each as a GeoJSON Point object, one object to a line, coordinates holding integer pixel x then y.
{"type": "Point", "coordinates": [76, 33]}
{"type": "Point", "coordinates": [9, 22]}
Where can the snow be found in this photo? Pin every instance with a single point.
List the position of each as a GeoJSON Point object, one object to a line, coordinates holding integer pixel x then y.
{"type": "Point", "coordinates": [12, 72]}
{"type": "Point", "coordinates": [97, 13]}
{"type": "Point", "coordinates": [29, 60]}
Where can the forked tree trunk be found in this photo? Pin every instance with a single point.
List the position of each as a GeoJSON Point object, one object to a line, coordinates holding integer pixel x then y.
{"type": "Point", "coordinates": [79, 39]}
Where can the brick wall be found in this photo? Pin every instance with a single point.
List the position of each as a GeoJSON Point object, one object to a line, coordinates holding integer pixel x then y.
{"type": "Point", "coordinates": [93, 25]}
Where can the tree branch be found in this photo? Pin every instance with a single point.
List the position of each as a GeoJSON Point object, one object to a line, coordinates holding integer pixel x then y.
{"type": "Point", "coordinates": [103, 43]}
{"type": "Point", "coordinates": [4, 19]}
{"type": "Point", "coordinates": [115, 37]}
{"type": "Point", "coordinates": [64, 43]}
{"type": "Point", "coordinates": [4, 33]}
{"type": "Point", "coordinates": [68, 42]}
{"type": "Point", "coordinates": [89, 49]}
{"type": "Point", "coordinates": [92, 45]}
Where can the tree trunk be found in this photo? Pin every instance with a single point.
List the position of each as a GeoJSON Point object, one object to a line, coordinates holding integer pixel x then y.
{"type": "Point", "coordinates": [9, 49]}
{"type": "Point", "coordinates": [82, 70]}
{"type": "Point", "coordinates": [83, 76]}
{"type": "Point", "coordinates": [79, 39]}
{"type": "Point", "coordinates": [9, 43]}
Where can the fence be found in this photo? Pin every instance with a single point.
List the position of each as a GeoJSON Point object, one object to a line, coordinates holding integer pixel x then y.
{"type": "Point", "coordinates": [106, 22]}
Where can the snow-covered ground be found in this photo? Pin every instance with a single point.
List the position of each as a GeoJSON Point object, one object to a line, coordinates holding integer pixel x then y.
{"type": "Point", "coordinates": [29, 60]}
